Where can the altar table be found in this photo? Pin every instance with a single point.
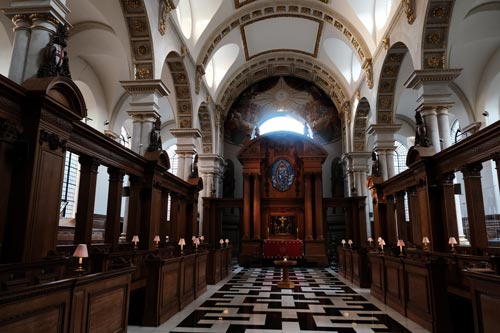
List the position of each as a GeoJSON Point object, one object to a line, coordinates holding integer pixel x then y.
{"type": "Point", "coordinates": [280, 248]}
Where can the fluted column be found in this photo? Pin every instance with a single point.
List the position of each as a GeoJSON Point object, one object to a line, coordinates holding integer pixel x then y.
{"type": "Point", "coordinates": [308, 206]}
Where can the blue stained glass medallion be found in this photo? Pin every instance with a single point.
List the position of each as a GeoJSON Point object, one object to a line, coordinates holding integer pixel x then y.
{"type": "Point", "coordinates": [282, 175]}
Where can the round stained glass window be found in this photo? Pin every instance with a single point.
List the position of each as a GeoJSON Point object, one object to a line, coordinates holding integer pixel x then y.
{"type": "Point", "coordinates": [282, 175]}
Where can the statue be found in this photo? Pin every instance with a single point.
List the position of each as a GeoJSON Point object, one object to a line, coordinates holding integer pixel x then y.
{"type": "Point", "coordinates": [194, 167]}
{"type": "Point", "coordinates": [376, 172]}
{"type": "Point", "coordinates": [154, 137]}
{"type": "Point", "coordinates": [421, 138]}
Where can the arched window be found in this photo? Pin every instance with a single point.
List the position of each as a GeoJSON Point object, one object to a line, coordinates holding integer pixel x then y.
{"type": "Point", "coordinates": [125, 137]}
{"type": "Point", "coordinates": [400, 157]}
{"type": "Point", "coordinates": [281, 123]}
{"type": "Point", "coordinates": [172, 154]}
{"type": "Point", "coordinates": [455, 133]}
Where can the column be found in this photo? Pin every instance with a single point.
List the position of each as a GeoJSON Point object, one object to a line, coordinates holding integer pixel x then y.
{"type": "Point", "coordinates": [431, 124]}
{"type": "Point", "coordinates": [384, 146]}
{"type": "Point", "coordinates": [86, 200]}
{"type": "Point", "coordinates": [22, 31]}
{"type": "Point", "coordinates": [308, 206]}
{"type": "Point", "coordinates": [186, 149]}
{"type": "Point", "coordinates": [475, 206]}
{"type": "Point", "coordinates": [448, 208]}
{"type": "Point", "coordinates": [144, 109]}
{"type": "Point", "coordinates": [434, 100]}
{"type": "Point", "coordinates": [444, 126]}
{"type": "Point", "coordinates": [113, 214]}
{"type": "Point", "coordinates": [35, 23]}
{"type": "Point", "coordinates": [318, 201]}
{"type": "Point", "coordinates": [246, 206]}
{"type": "Point", "coordinates": [256, 208]}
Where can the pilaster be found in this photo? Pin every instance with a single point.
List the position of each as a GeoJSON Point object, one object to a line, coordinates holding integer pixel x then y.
{"type": "Point", "coordinates": [186, 148]}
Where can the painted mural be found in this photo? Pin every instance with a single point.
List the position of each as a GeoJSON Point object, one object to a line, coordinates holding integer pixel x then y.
{"type": "Point", "coordinates": [279, 96]}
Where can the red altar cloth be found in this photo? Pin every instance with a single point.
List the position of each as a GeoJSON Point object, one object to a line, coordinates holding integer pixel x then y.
{"type": "Point", "coordinates": [278, 248]}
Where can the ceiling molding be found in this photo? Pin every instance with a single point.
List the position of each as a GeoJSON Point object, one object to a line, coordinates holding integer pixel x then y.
{"type": "Point", "coordinates": [239, 4]}
{"type": "Point", "coordinates": [312, 11]}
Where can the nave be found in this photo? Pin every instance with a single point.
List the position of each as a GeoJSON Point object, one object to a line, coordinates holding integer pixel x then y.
{"type": "Point", "coordinates": [249, 301]}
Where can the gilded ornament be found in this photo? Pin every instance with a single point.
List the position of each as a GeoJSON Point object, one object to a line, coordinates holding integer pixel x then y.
{"type": "Point", "coordinates": [143, 73]}
{"type": "Point", "coordinates": [434, 38]}
{"type": "Point", "coordinates": [386, 42]}
{"type": "Point", "coordinates": [439, 12]}
{"type": "Point", "coordinates": [143, 49]}
{"type": "Point", "coordinates": [165, 9]}
{"type": "Point", "coordinates": [433, 62]}
{"type": "Point", "coordinates": [133, 4]}
{"type": "Point", "coordinates": [410, 13]}
{"type": "Point", "coordinates": [138, 26]}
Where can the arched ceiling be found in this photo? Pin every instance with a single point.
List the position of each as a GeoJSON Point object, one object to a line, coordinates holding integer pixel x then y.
{"type": "Point", "coordinates": [284, 38]}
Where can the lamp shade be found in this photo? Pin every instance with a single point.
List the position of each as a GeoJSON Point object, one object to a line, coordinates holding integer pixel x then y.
{"type": "Point", "coordinates": [156, 239]}
{"type": "Point", "coordinates": [370, 239]}
{"type": "Point", "coordinates": [193, 238]}
{"type": "Point", "coordinates": [135, 239]}
{"type": "Point", "coordinates": [221, 241]}
{"type": "Point", "coordinates": [349, 242]}
{"type": "Point", "coordinates": [227, 241]}
{"type": "Point", "coordinates": [81, 251]}
{"type": "Point", "coordinates": [452, 241]}
{"type": "Point", "coordinates": [182, 241]}
{"type": "Point", "coordinates": [202, 238]}
{"type": "Point", "coordinates": [425, 240]}
{"type": "Point", "coordinates": [400, 242]}
{"type": "Point", "coordinates": [343, 241]}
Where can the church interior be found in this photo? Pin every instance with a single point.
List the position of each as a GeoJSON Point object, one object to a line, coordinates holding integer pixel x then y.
{"type": "Point", "coordinates": [250, 166]}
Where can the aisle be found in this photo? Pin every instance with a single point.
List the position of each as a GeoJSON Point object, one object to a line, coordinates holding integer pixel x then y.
{"type": "Point", "coordinates": [250, 302]}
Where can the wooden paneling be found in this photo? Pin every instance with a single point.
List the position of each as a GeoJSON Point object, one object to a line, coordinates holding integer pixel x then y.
{"type": "Point", "coordinates": [394, 288]}
{"type": "Point", "coordinates": [188, 276]}
{"type": "Point", "coordinates": [377, 289]}
{"type": "Point", "coordinates": [485, 295]}
{"type": "Point", "coordinates": [201, 273]}
{"type": "Point", "coordinates": [214, 266]}
{"type": "Point", "coordinates": [348, 264]}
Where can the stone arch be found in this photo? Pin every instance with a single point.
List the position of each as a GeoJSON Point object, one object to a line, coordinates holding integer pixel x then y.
{"type": "Point", "coordinates": [387, 83]}
{"type": "Point", "coordinates": [206, 129]}
{"type": "Point", "coordinates": [360, 125]}
{"type": "Point", "coordinates": [435, 34]}
{"type": "Point", "coordinates": [136, 18]}
{"type": "Point", "coordinates": [182, 90]}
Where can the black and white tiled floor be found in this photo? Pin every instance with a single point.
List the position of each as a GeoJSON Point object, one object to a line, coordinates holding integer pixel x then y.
{"type": "Point", "coordinates": [250, 302]}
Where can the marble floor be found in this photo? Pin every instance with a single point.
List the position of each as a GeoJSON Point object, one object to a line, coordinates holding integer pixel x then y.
{"type": "Point", "coordinates": [321, 301]}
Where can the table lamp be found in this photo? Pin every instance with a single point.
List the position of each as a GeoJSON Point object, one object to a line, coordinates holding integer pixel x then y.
{"type": "Point", "coordinates": [426, 242]}
{"type": "Point", "coordinates": [135, 240]}
{"type": "Point", "coordinates": [400, 243]}
{"type": "Point", "coordinates": [221, 242]}
{"type": "Point", "coordinates": [196, 242]}
{"type": "Point", "coordinates": [156, 240]}
{"type": "Point", "coordinates": [80, 252]}
{"type": "Point", "coordinates": [227, 242]}
{"type": "Point", "coordinates": [182, 242]}
{"type": "Point", "coordinates": [370, 240]}
{"type": "Point", "coordinates": [452, 241]}
{"type": "Point", "coordinates": [350, 243]}
{"type": "Point", "coordinates": [343, 242]}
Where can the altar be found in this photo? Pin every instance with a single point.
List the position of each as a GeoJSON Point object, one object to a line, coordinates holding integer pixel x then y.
{"type": "Point", "coordinates": [280, 248]}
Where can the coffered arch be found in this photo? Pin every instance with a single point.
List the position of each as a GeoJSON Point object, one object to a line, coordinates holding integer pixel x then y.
{"type": "Point", "coordinates": [182, 90]}
{"type": "Point", "coordinates": [141, 43]}
{"type": "Point", "coordinates": [435, 34]}
{"type": "Point", "coordinates": [387, 83]}
{"type": "Point", "coordinates": [206, 129]}
{"type": "Point", "coordinates": [360, 125]}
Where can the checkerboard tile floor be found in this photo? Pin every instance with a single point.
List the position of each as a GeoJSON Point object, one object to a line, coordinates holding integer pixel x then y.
{"type": "Point", "coordinates": [250, 302]}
